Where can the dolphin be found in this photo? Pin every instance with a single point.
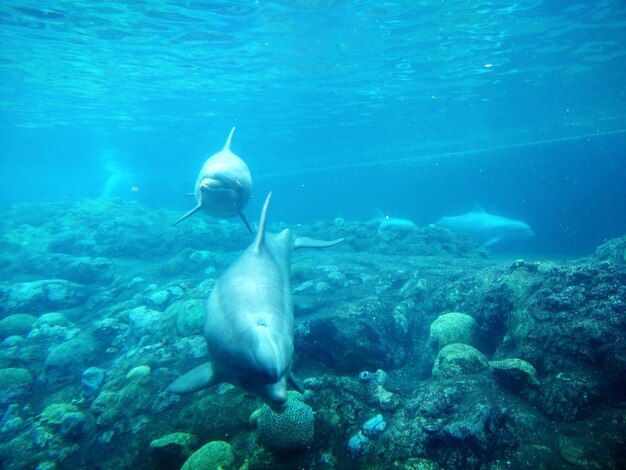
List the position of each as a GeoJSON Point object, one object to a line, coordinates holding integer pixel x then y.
{"type": "Point", "coordinates": [486, 228]}
{"type": "Point", "coordinates": [223, 186]}
{"type": "Point", "coordinates": [384, 221]}
{"type": "Point", "coordinates": [248, 325]}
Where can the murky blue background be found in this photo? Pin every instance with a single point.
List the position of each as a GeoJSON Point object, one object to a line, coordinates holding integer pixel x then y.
{"type": "Point", "coordinates": [421, 109]}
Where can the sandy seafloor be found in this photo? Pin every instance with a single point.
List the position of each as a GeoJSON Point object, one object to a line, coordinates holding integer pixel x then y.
{"type": "Point", "coordinates": [471, 361]}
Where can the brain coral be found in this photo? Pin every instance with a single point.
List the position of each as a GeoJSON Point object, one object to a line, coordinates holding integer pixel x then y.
{"type": "Point", "coordinates": [290, 429]}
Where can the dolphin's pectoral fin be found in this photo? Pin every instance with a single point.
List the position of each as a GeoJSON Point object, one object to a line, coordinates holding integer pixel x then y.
{"type": "Point", "coordinates": [306, 242]}
{"type": "Point", "coordinates": [194, 380]}
{"type": "Point", "coordinates": [295, 383]}
{"type": "Point", "coordinates": [492, 241]}
{"type": "Point", "coordinates": [245, 221]}
{"type": "Point", "coordinates": [191, 212]}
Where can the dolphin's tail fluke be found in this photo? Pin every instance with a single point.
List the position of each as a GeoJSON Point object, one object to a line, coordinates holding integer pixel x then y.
{"type": "Point", "coordinates": [260, 235]}
{"type": "Point", "coordinates": [230, 138]}
{"type": "Point", "coordinates": [191, 212]}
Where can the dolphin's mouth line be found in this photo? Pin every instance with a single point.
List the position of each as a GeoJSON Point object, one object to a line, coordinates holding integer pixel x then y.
{"type": "Point", "coordinates": [213, 184]}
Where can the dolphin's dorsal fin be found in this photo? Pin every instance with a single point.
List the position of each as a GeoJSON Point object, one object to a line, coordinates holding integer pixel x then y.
{"type": "Point", "coordinates": [260, 235]}
{"type": "Point", "coordinates": [191, 212]}
{"type": "Point", "coordinates": [306, 242]}
{"type": "Point", "coordinates": [230, 138]}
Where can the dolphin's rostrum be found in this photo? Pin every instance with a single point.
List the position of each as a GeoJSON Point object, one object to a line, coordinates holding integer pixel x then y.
{"type": "Point", "coordinates": [249, 320]}
{"type": "Point", "coordinates": [223, 186]}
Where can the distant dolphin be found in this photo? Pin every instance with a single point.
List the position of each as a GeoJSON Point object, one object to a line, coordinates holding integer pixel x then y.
{"type": "Point", "coordinates": [223, 186]}
{"type": "Point", "coordinates": [486, 228]}
{"type": "Point", "coordinates": [385, 221]}
{"type": "Point", "coordinates": [248, 324]}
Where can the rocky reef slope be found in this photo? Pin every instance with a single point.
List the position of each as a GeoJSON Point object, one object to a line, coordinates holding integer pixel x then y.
{"type": "Point", "coordinates": [416, 349]}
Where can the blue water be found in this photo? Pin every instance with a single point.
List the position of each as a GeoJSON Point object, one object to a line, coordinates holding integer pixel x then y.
{"type": "Point", "coordinates": [422, 109]}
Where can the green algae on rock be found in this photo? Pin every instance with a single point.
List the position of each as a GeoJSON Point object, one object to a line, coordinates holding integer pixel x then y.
{"type": "Point", "coordinates": [211, 456]}
{"type": "Point", "coordinates": [453, 327]}
{"type": "Point", "coordinates": [458, 359]}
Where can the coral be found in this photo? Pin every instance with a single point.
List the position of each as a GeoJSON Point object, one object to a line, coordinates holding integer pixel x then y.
{"type": "Point", "coordinates": [139, 375]}
{"type": "Point", "coordinates": [458, 359]}
{"type": "Point", "coordinates": [374, 425]}
{"type": "Point", "coordinates": [91, 380]}
{"type": "Point", "coordinates": [189, 315]}
{"type": "Point", "coordinates": [291, 428]}
{"type": "Point", "coordinates": [215, 454]}
{"type": "Point", "coordinates": [172, 450]}
{"type": "Point", "coordinates": [15, 384]}
{"type": "Point", "coordinates": [515, 374]}
{"type": "Point", "coordinates": [453, 327]}
{"type": "Point", "coordinates": [17, 324]}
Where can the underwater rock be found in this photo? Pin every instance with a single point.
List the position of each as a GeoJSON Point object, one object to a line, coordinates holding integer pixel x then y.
{"type": "Point", "coordinates": [613, 250]}
{"type": "Point", "coordinates": [215, 454]}
{"type": "Point", "coordinates": [111, 407]}
{"type": "Point", "coordinates": [91, 380]}
{"type": "Point", "coordinates": [379, 377]}
{"type": "Point", "coordinates": [514, 374]}
{"type": "Point", "coordinates": [458, 359]}
{"type": "Point", "coordinates": [52, 319]}
{"type": "Point", "coordinates": [16, 324]}
{"type": "Point", "coordinates": [140, 375]}
{"type": "Point", "coordinates": [189, 315]}
{"type": "Point", "coordinates": [478, 426]}
{"type": "Point", "coordinates": [357, 444]}
{"type": "Point", "coordinates": [567, 397]}
{"type": "Point", "coordinates": [86, 270]}
{"type": "Point", "coordinates": [41, 296]}
{"type": "Point", "coordinates": [191, 346]}
{"type": "Point", "coordinates": [64, 419]}
{"type": "Point", "coordinates": [453, 327]}
{"type": "Point", "coordinates": [108, 329]}
{"type": "Point", "coordinates": [144, 321]}
{"type": "Point", "coordinates": [290, 429]}
{"type": "Point", "coordinates": [172, 450]}
{"type": "Point", "coordinates": [374, 426]}
{"type": "Point", "coordinates": [15, 384]}
{"type": "Point", "coordinates": [11, 420]}
{"type": "Point", "coordinates": [365, 325]}
{"type": "Point", "coordinates": [68, 358]}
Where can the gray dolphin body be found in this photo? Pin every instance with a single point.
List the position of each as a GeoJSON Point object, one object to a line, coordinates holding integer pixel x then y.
{"type": "Point", "coordinates": [223, 186]}
{"type": "Point", "coordinates": [486, 228]}
{"type": "Point", "coordinates": [249, 321]}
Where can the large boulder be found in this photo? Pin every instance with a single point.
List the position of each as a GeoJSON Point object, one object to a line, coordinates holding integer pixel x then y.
{"type": "Point", "coordinates": [15, 384]}
{"type": "Point", "coordinates": [453, 327]}
{"type": "Point", "coordinates": [215, 454]}
{"type": "Point", "coordinates": [18, 324]}
{"type": "Point", "coordinates": [458, 359]}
